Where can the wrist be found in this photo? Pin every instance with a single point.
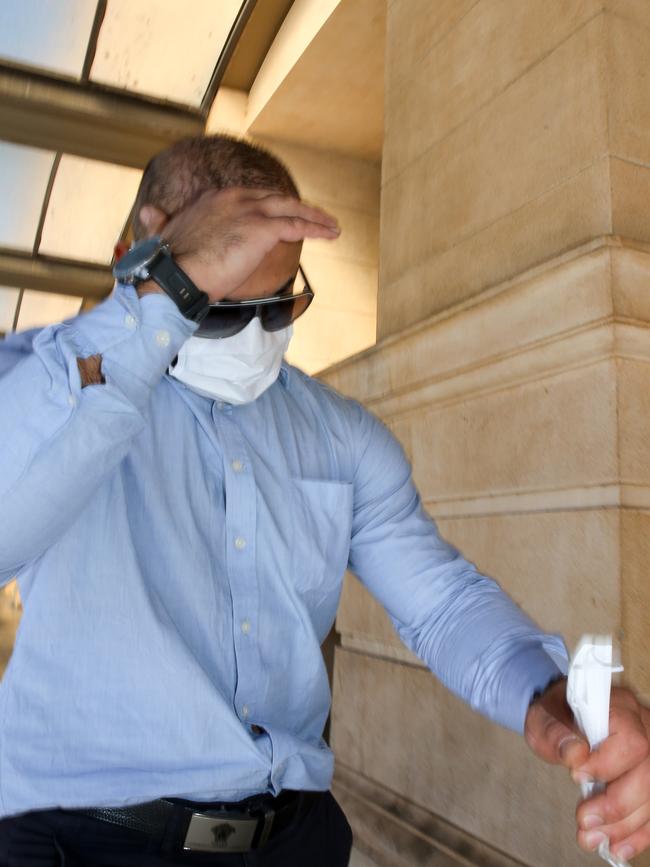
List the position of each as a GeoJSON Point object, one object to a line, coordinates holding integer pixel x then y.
{"type": "Point", "coordinates": [552, 684]}
{"type": "Point", "coordinates": [150, 266]}
{"type": "Point", "coordinates": [90, 370]}
{"type": "Point", "coordinates": [148, 287]}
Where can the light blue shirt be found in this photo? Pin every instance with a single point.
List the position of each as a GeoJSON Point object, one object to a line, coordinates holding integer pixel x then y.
{"type": "Point", "coordinates": [180, 562]}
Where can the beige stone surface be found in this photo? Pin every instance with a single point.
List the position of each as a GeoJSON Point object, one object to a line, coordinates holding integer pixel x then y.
{"type": "Point", "coordinates": [459, 72]}
{"type": "Point", "coordinates": [629, 107]}
{"type": "Point", "coordinates": [397, 832]}
{"type": "Point", "coordinates": [630, 275]}
{"type": "Point", "coordinates": [326, 334]}
{"type": "Point", "coordinates": [228, 113]}
{"type": "Point", "coordinates": [630, 196]}
{"type": "Point", "coordinates": [330, 179]}
{"type": "Point", "coordinates": [340, 283]}
{"type": "Point", "coordinates": [635, 599]}
{"type": "Point", "coordinates": [537, 310]}
{"type": "Point", "coordinates": [570, 214]}
{"type": "Point", "coordinates": [358, 241]}
{"type": "Point", "coordinates": [359, 859]}
{"type": "Point", "coordinates": [397, 725]}
{"type": "Point", "coordinates": [10, 614]}
{"type": "Point", "coordinates": [547, 434]}
{"type": "Point", "coordinates": [334, 106]}
{"type": "Point", "coordinates": [402, 430]}
{"type": "Point", "coordinates": [300, 28]}
{"type": "Point", "coordinates": [636, 11]}
{"type": "Point", "coordinates": [407, 45]}
{"type": "Point", "coordinates": [554, 118]}
{"type": "Point", "coordinates": [634, 420]}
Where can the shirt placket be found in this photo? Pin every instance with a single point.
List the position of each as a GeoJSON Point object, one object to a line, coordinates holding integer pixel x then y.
{"type": "Point", "coordinates": [239, 481]}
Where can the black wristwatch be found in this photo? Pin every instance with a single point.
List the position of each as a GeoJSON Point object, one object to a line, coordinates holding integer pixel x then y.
{"type": "Point", "coordinates": [152, 260]}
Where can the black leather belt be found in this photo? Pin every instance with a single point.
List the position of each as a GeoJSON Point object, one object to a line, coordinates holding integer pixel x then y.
{"type": "Point", "coordinates": [213, 827]}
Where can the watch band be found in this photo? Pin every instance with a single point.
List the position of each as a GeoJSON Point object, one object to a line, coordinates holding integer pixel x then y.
{"type": "Point", "coordinates": [190, 300]}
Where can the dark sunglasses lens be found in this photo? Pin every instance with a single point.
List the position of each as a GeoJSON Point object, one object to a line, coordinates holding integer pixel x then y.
{"type": "Point", "coordinates": [280, 314]}
{"type": "Point", "coordinates": [225, 321]}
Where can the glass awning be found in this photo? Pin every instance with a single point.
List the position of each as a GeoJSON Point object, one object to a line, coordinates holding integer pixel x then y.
{"type": "Point", "coordinates": [58, 206]}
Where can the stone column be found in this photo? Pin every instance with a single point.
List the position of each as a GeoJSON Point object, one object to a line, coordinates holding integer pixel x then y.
{"type": "Point", "coordinates": [513, 310]}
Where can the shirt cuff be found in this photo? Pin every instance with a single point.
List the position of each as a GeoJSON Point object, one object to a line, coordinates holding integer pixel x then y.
{"type": "Point", "coordinates": [136, 337]}
{"type": "Point", "coordinates": [530, 672]}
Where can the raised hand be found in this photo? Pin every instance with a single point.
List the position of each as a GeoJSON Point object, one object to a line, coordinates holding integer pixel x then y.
{"type": "Point", "coordinates": [221, 238]}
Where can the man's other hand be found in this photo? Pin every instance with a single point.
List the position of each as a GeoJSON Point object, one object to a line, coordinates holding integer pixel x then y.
{"type": "Point", "coordinates": [221, 238]}
{"type": "Point", "coordinates": [622, 812]}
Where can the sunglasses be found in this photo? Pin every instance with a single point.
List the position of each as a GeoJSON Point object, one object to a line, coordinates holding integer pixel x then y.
{"type": "Point", "coordinates": [227, 318]}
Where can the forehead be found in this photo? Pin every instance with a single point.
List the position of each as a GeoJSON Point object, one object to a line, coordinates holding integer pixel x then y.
{"type": "Point", "coordinates": [273, 272]}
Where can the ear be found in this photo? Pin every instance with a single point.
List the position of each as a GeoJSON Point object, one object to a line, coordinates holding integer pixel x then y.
{"type": "Point", "coordinates": [153, 219]}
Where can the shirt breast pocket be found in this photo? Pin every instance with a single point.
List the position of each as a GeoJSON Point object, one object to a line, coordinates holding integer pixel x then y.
{"type": "Point", "coordinates": [322, 513]}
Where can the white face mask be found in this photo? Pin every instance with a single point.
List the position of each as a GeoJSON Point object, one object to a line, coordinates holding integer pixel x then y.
{"type": "Point", "coordinates": [235, 369]}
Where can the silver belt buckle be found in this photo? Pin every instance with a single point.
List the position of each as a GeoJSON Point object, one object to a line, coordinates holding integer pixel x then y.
{"type": "Point", "coordinates": [220, 831]}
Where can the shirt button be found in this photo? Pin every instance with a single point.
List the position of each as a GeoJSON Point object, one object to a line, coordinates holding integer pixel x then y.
{"type": "Point", "coordinates": [221, 404]}
{"type": "Point", "coordinates": [240, 543]}
{"type": "Point", "coordinates": [72, 400]}
{"type": "Point", "coordinates": [244, 711]}
{"type": "Point", "coordinates": [163, 338]}
{"type": "Point", "coordinates": [246, 627]}
{"type": "Point", "coordinates": [130, 321]}
{"type": "Point", "coordinates": [237, 466]}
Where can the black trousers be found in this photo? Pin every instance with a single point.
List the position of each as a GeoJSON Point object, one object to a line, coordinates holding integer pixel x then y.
{"type": "Point", "coordinates": [320, 837]}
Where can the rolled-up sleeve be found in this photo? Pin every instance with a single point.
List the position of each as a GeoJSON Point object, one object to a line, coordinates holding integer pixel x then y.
{"type": "Point", "coordinates": [463, 626]}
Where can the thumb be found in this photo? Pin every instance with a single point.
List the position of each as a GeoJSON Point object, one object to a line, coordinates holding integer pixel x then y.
{"type": "Point", "coordinates": [554, 740]}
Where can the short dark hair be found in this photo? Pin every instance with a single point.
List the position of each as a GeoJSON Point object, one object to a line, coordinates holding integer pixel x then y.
{"type": "Point", "coordinates": [186, 169]}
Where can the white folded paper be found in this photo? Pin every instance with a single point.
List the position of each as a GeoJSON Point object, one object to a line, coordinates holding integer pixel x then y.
{"type": "Point", "coordinates": [588, 689]}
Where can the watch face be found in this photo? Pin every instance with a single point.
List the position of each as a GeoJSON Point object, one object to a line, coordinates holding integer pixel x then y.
{"type": "Point", "coordinates": [133, 265]}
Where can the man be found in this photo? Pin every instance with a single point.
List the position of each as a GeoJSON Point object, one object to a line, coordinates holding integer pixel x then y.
{"type": "Point", "coordinates": [180, 506]}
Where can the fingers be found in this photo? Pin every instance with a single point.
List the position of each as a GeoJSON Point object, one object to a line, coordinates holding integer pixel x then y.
{"type": "Point", "coordinates": [269, 203]}
{"type": "Point", "coordinates": [286, 206]}
{"type": "Point", "coordinates": [297, 229]}
{"type": "Point", "coordinates": [625, 847]}
{"type": "Point", "coordinates": [622, 812]}
{"type": "Point", "coordinates": [634, 844]}
{"type": "Point", "coordinates": [257, 217]}
{"type": "Point", "coordinates": [623, 798]}
{"type": "Point", "coordinates": [626, 747]}
{"type": "Point", "coordinates": [590, 837]}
